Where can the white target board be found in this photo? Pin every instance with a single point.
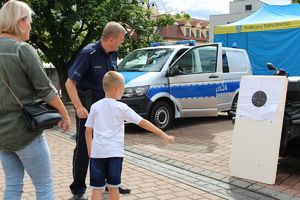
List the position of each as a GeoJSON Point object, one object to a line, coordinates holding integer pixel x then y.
{"type": "Point", "coordinates": [257, 129]}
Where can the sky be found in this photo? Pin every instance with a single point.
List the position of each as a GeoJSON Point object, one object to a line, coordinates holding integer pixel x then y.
{"type": "Point", "coordinates": [203, 8]}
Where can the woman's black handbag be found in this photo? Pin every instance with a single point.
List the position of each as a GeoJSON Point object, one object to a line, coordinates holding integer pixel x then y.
{"type": "Point", "coordinates": [38, 115]}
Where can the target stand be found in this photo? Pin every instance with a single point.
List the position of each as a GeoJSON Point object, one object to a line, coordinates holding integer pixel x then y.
{"type": "Point", "coordinates": [257, 129]}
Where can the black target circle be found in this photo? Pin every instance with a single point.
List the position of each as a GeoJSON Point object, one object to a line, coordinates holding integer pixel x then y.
{"type": "Point", "coordinates": [259, 98]}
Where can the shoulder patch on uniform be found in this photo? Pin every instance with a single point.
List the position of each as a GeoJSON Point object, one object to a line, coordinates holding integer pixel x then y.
{"type": "Point", "coordinates": [77, 73]}
{"type": "Point", "coordinates": [88, 49]}
{"type": "Point", "coordinates": [92, 51]}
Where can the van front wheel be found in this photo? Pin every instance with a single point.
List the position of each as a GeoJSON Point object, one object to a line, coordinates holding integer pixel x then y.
{"type": "Point", "coordinates": [161, 115]}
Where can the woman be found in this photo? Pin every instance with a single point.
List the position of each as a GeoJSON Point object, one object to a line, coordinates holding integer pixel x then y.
{"type": "Point", "coordinates": [20, 67]}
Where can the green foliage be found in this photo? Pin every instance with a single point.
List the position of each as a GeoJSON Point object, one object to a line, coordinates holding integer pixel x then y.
{"type": "Point", "coordinates": [295, 1]}
{"type": "Point", "coordinates": [164, 20]}
{"type": "Point", "coordinates": [61, 28]}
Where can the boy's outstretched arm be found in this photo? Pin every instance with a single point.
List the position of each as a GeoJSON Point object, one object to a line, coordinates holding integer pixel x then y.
{"type": "Point", "coordinates": [88, 139]}
{"type": "Point", "coordinates": [150, 127]}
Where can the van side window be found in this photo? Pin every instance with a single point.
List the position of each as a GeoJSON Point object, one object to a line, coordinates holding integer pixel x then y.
{"type": "Point", "coordinates": [237, 61]}
{"type": "Point", "coordinates": [225, 63]}
{"type": "Point", "coordinates": [186, 63]}
{"type": "Point", "coordinates": [178, 54]}
{"type": "Point", "coordinates": [208, 59]}
{"type": "Point", "coordinates": [199, 60]}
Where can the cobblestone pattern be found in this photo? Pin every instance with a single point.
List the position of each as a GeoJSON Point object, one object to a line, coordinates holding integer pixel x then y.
{"type": "Point", "coordinates": [203, 147]}
{"type": "Point", "coordinates": [145, 184]}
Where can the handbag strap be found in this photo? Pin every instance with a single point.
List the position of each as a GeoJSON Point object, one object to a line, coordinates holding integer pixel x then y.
{"type": "Point", "coordinates": [11, 92]}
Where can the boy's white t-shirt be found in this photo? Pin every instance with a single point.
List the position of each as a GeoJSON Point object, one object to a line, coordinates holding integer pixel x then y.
{"type": "Point", "coordinates": [107, 118]}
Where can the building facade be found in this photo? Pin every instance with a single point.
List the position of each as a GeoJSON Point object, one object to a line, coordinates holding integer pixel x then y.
{"type": "Point", "coordinates": [238, 9]}
{"type": "Point", "coordinates": [192, 29]}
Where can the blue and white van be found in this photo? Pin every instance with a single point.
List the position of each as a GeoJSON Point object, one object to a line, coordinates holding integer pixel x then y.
{"type": "Point", "coordinates": [167, 82]}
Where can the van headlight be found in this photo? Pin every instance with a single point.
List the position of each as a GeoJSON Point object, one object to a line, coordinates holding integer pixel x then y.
{"type": "Point", "coordinates": [136, 91]}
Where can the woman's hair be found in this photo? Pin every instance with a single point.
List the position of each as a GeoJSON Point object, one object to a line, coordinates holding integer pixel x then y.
{"type": "Point", "coordinates": [111, 80]}
{"type": "Point", "coordinates": [112, 29]}
{"type": "Point", "coordinates": [10, 14]}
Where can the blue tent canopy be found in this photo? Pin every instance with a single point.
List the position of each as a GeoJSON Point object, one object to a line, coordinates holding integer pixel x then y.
{"type": "Point", "coordinates": [272, 34]}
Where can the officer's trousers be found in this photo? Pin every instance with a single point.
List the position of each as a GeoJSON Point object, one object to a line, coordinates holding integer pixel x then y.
{"type": "Point", "coordinates": [80, 159]}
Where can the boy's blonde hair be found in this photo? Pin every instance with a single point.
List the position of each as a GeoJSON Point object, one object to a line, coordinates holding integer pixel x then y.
{"type": "Point", "coordinates": [112, 29]}
{"type": "Point", "coordinates": [112, 80]}
{"type": "Point", "coordinates": [11, 12]}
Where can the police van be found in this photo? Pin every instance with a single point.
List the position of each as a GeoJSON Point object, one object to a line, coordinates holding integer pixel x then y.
{"type": "Point", "coordinates": [175, 81]}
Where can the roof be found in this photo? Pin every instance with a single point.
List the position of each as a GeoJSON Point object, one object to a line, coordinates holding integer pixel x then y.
{"type": "Point", "coordinates": [193, 22]}
{"type": "Point", "coordinates": [175, 32]}
{"type": "Point", "coordinates": [271, 14]}
{"type": "Point", "coordinates": [268, 17]}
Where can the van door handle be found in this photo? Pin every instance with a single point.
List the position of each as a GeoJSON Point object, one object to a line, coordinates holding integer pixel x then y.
{"type": "Point", "coordinates": [213, 76]}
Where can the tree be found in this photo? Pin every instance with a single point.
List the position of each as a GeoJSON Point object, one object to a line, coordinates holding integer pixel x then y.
{"type": "Point", "coordinates": [295, 1]}
{"type": "Point", "coordinates": [64, 27]}
{"type": "Point", "coordinates": [61, 28]}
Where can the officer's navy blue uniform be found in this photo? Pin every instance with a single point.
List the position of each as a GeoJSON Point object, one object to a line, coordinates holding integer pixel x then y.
{"type": "Point", "coordinates": [88, 71]}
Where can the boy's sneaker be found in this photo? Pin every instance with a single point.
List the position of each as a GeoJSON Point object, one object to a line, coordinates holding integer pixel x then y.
{"type": "Point", "coordinates": [122, 190]}
{"type": "Point", "coordinates": [80, 197]}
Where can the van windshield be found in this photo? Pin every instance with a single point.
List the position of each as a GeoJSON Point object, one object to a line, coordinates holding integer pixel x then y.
{"type": "Point", "coordinates": [145, 60]}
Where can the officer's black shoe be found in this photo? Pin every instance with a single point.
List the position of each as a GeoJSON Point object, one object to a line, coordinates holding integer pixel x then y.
{"type": "Point", "coordinates": [123, 190]}
{"type": "Point", "coordinates": [80, 197]}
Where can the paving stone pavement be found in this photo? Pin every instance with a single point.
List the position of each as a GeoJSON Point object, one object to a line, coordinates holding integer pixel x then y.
{"type": "Point", "coordinates": [196, 167]}
{"type": "Point", "coordinates": [145, 184]}
{"type": "Point", "coordinates": [203, 146]}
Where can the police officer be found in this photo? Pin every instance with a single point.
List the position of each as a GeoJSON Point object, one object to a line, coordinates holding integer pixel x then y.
{"type": "Point", "coordinates": [84, 87]}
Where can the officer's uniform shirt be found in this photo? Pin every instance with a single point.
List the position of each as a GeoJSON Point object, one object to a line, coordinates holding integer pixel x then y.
{"type": "Point", "coordinates": [90, 66]}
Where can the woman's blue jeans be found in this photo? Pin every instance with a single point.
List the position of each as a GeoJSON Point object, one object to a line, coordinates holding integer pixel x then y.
{"type": "Point", "coordinates": [35, 160]}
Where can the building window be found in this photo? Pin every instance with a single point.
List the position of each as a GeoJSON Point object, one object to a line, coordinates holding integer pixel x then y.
{"type": "Point", "coordinates": [248, 7]}
{"type": "Point", "coordinates": [207, 34]}
{"type": "Point", "coordinates": [198, 33]}
{"type": "Point", "coordinates": [187, 32]}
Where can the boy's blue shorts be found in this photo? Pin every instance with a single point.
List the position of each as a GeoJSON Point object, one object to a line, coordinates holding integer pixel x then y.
{"type": "Point", "coordinates": [105, 171]}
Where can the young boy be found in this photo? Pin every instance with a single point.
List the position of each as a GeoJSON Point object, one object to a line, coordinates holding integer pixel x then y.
{"type": "Point", "coordinates": [105, 136]}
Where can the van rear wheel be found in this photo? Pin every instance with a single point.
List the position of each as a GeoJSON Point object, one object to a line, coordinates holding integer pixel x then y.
{"type": "Point", "coordinates": [161, 115]}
